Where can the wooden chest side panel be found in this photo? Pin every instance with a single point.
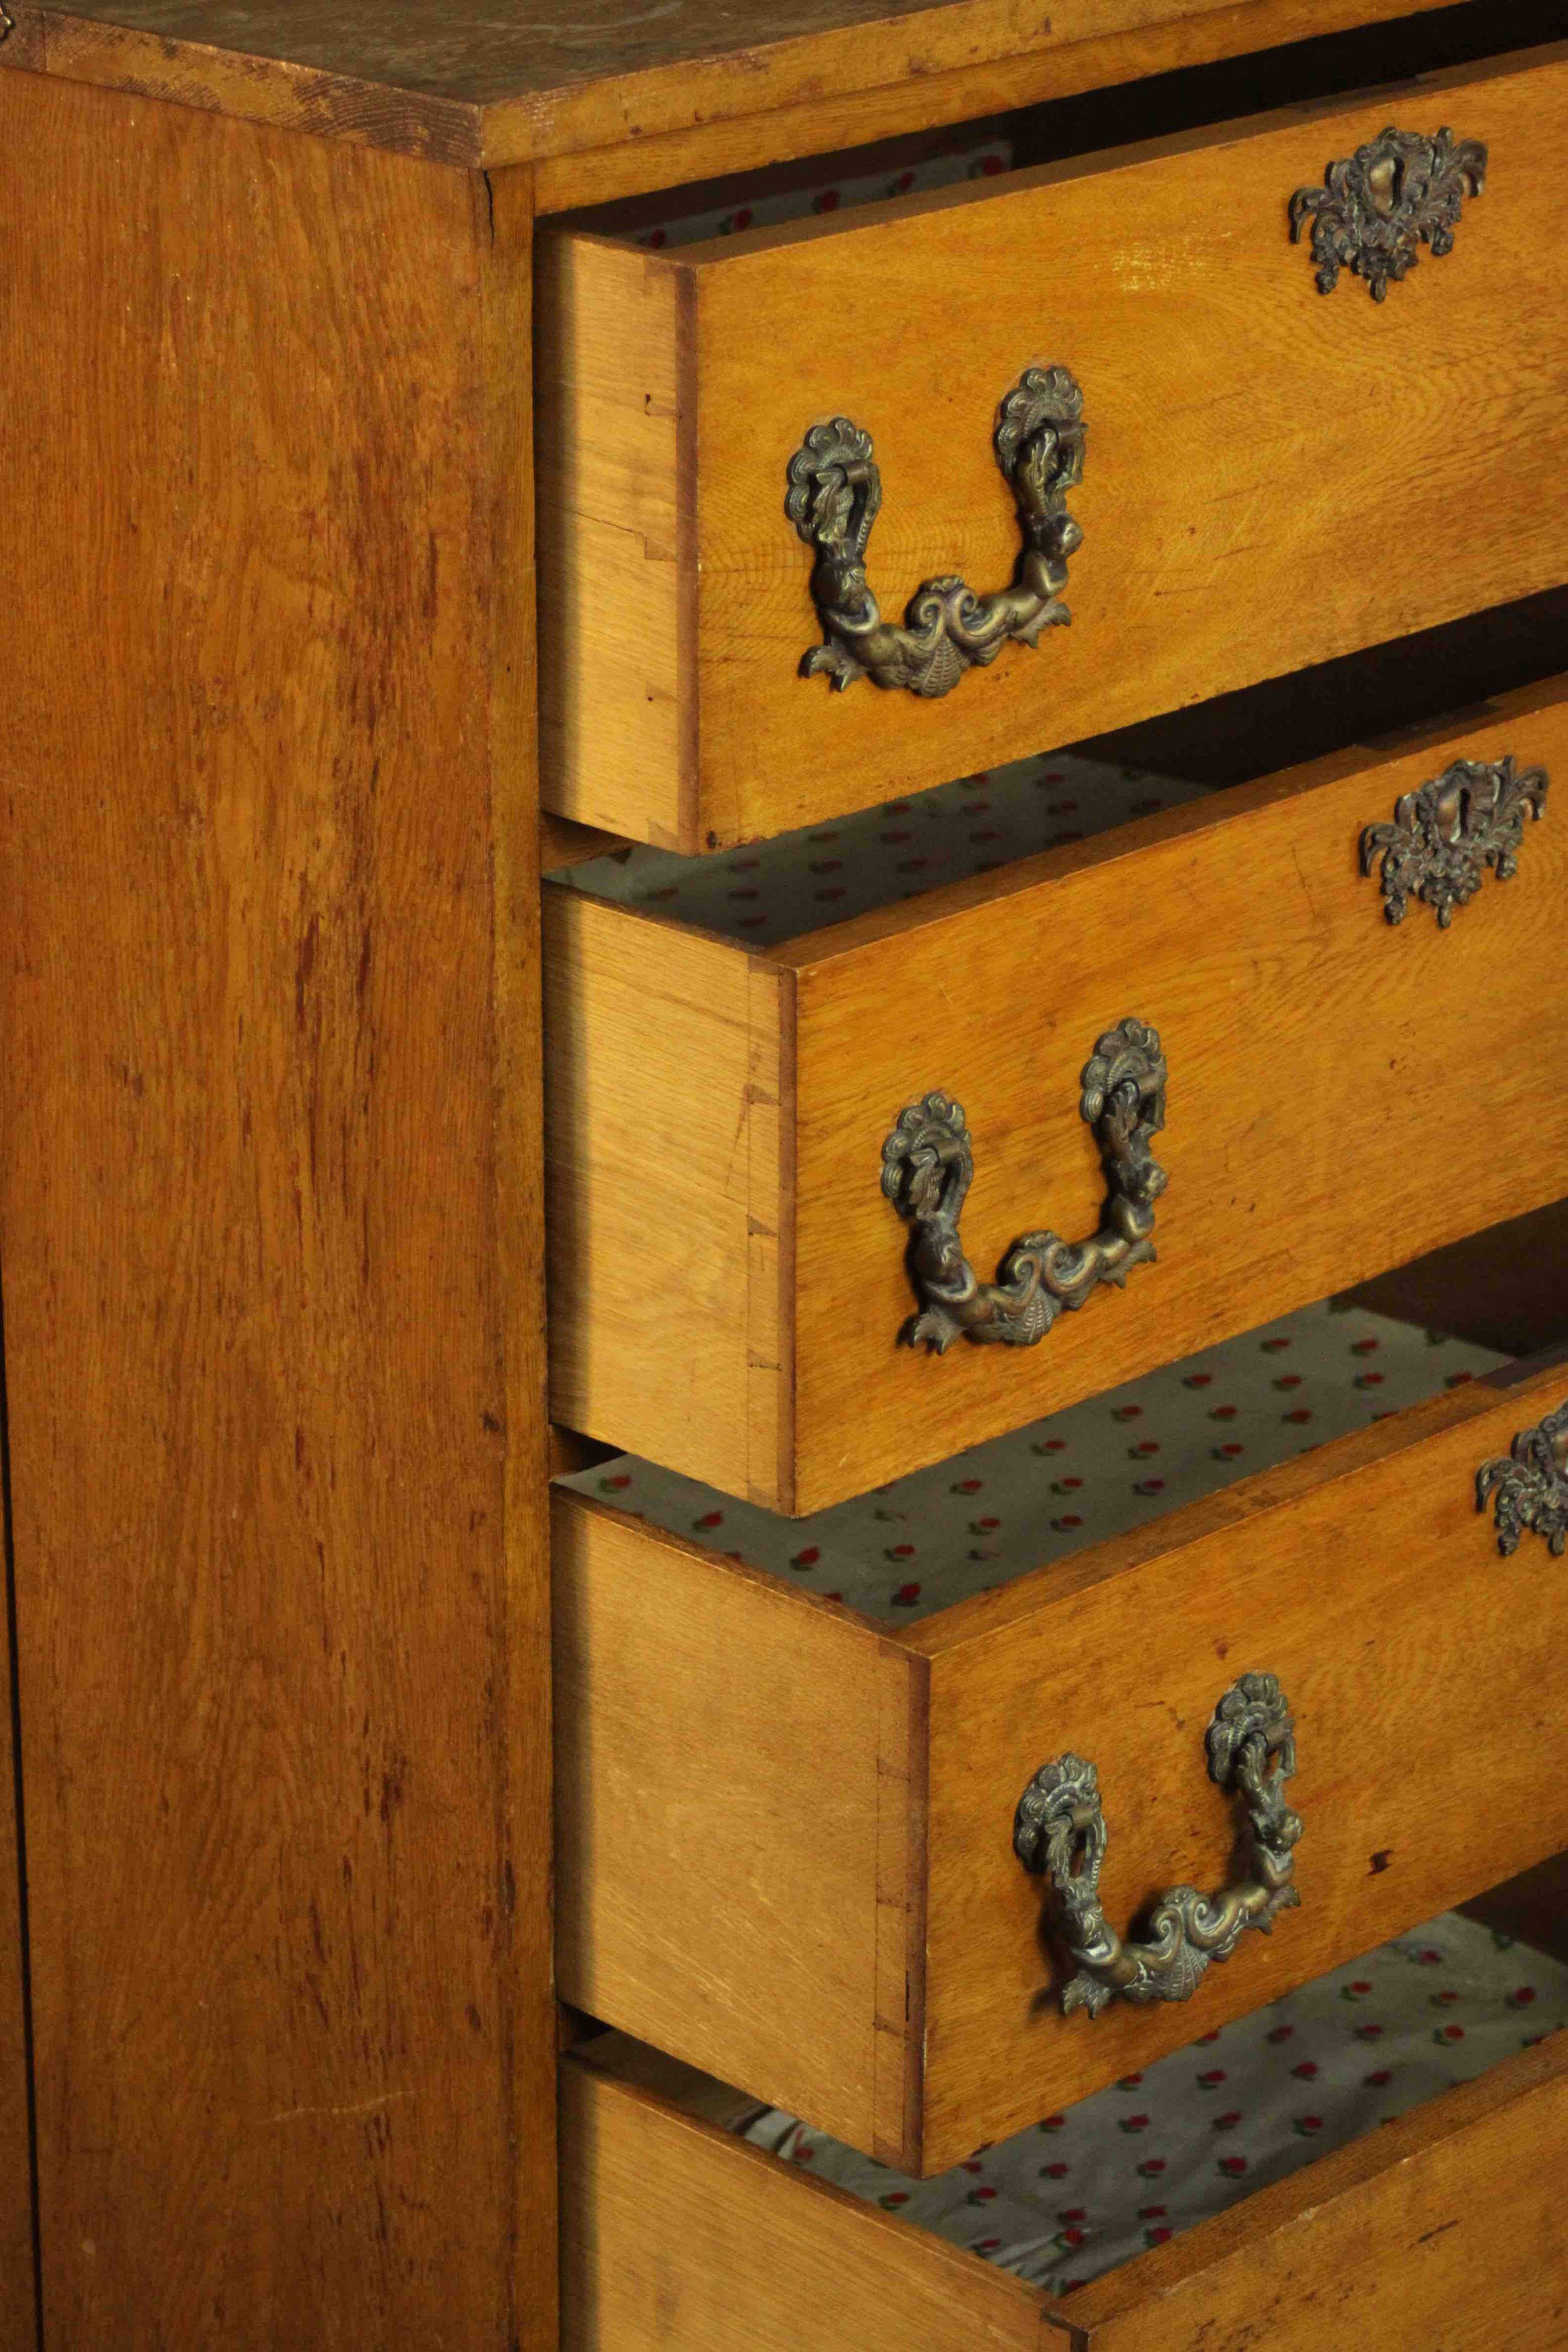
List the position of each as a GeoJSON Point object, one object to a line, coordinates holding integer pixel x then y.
{"type": "Point", "coordinates": [283, 1662]}
{"type": "Point", "coordinates": [1343, 1095]}
{"type": "Point", "coordinates": [18, 2307]}
{"type": "Point", "coordinates": [1433, 1756]}
{"type": "Point", "coordinates": [1248, 508]}
{"type": "Point", "coordinates": [737, 1864]}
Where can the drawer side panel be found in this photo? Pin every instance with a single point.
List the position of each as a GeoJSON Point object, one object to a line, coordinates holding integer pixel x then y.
{"type": "Point", "coordinates": [653, 1070]}
{"type": "Point", "coordinates": [734, 1861]}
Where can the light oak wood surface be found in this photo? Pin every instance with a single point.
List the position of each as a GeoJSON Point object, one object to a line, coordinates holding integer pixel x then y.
{"type": "Point", "coordinates": [18, 2301]}
{"type": "Point", "coordinates": [1441, 2232]}
{"type": "Point", "coordinates": [269, 1143]}
{"type": "Point", "coordinates": [675, 94]}
{"type": "Point", "coordinates": [1220, 388]}
{"type": "Point", "coordinates": [1317, 1056]}
{"type": "Point", "coordinates": [734, 1754]}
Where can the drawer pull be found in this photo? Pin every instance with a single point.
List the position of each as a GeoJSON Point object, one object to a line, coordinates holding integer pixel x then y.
{"type": "Point", "coordinates": [1059, 1834]}
{"type": "Point", "coordinates": [1444, 836]}
{"type": "Point", "coordinates": [835, 491]}
{"type": "Point", "coordinates": [928, 1167]}
{"type": "Point", "coordinates": [1377, 205]}
{"type": "Point", "coordinates": [1528, 1487]}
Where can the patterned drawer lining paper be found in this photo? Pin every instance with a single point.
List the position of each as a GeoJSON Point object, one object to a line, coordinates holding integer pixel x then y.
{"type": "Point", "coordinates": [958, 164]}
{"type": "Point", "coordinates": [1103, 1466]}
{"type": "Point", "coordinates": [1083, 2191]}
{"type": "Point", "coordinates": [796, 882]}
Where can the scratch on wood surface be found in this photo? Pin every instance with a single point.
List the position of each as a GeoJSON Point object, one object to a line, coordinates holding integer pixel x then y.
{"type": "Point", "coordinates": [364, 2107]}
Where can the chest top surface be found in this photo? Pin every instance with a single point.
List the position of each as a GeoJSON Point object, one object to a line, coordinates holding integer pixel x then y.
{"type": "Point", "coordinates": [483, 82]}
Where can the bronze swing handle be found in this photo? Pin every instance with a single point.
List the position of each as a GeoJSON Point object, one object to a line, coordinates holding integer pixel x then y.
{"type": "Point", "coordinates": [928, 1167]}
{"type": "Point", "coordinates": [835, 492]}
{"type": "Point", "coordinates": [1060, 1833]}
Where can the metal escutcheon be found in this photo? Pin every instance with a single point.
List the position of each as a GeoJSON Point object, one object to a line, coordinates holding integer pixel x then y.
{"type": "Point", "coordinates": [928, 1167]}
{"type": "Point", "coordinates": [1378, 206]}
{"type": "Point", "coordinates": [1528, 1487]}
{"type": "Point", "coordinates": [1443, 838]}
{"type": "Point", "coordinates": [833, 495]}
{"type": "Point", "coordinates": [1060, 1833]}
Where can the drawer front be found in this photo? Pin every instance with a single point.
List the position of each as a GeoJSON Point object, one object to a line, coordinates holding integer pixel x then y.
{"type": "Point", "coordinates": [785, 1834]}
{"type": "Point", "coordinates": [1273, 476]}
{"type": "Point", "coordinates": [1441, 2232]}
{"type": "Point", "coordinates": [729, 1282]}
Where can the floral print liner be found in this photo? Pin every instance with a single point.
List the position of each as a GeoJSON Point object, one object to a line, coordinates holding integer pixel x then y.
{"type": "Point", "coordinates": [796, 882]}
{"type": "Point", "coordinates": [1080, 2192]}
{"type": "Point", "coordinates": [1102, 1467]}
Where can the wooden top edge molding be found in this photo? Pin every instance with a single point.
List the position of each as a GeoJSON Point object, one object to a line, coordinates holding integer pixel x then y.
{"type": "Point", "coordinates": [458, 81]}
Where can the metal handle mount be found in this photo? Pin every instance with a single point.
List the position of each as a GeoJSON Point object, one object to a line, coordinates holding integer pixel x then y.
{"type": "Point", "coordinates": [928, 1167]}
{"type": "Point", "coordinates": [1060, 1833]}
{"type": "Point", "coordinates": [835, 492]}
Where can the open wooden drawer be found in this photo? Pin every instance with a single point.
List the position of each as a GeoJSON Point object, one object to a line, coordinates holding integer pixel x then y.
{"type": "Point", "coordinates": [1271, 477]}
{"type": "Point", "coordinates": [785, 1827]}
{"type": "Point", "coordinates": [1443, 2231]}
{"type": "Point", "coordinates": [728, 1279]}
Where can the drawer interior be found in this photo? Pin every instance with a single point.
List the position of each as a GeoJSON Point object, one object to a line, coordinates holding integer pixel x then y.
{"type": "Point", "coordinates": [1366, 2161]}
{"type": "Point", "coordinates": [1118, 1461]}
{"type": "Point", "coordinates": [1083, 2191]}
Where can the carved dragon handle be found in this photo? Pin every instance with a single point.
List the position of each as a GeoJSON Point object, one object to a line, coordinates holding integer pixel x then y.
{"type": "Point", "coordinates": [927, 1170]}
{"type": "Point", "coordinates": [835, 492]}
{"type": "Point", "coordinates": [1059, 1834]}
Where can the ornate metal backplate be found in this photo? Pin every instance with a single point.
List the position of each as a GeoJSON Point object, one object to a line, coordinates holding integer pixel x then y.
{"type": "Point", "coordinates": [1444, 836]}
{"type": "Point", "coordinates": [928, 1167]}
{"type": "Point", "coordinates": [835, 491]}
{"type": "Point", "coordinates": [1060, 1833]}
{"type": "Point", "coordinates": [1378, 205]}
{"type": "Point", "coordinates": [1528, 1487]}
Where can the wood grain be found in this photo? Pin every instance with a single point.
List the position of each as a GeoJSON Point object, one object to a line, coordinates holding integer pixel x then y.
{"type": "Point", "coordinates": [485, 85]}
{"type": "Point", "coordinates": [1195, 329]}
{"type": "Point", "coordinates": [673, 2232]}
{"type": "Point", "coordinates": [270, 1167]}
{"type": "Point", "coordinates": [1441, 2232]}
{"type": "Point", "coordinates": [1317, 1057]}
{"type": "Point", "coordinates": [1306, 1039]}
{"type": "Point", "coordinates": [709, 1711]}
{"type": "Point", "coordinates": [969, 91]}
{"type": "Point", "coordinates": [665, 1169]}
{"type": "Point", "coordinates": [18, 2287]}
{"type": "Point", "coordinates": [1338, 1574]}
{"type": "Point", "coordinates": [619, 582]}
{"type": "Point", "coordinates": [737, 1822]}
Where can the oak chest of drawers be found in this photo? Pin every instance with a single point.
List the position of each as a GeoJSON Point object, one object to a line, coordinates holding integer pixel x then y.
{"type": "Point", "coordinates": [774, 795]}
